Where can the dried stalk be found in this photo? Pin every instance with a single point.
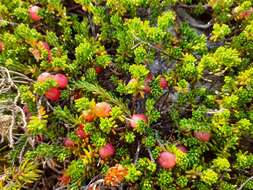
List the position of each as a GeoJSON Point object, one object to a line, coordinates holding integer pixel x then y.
{"type": "Point", "coordinates": [7, 84]}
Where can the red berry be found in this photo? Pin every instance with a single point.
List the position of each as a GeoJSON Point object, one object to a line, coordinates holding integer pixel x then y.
{"type": "Point", "coordinates": [80, 132]}
{"type": "Point", "coordinates": [182, 148]}
{"type": "Point", "coordinates": [202, 135]}
{"type": "Point", "coordinates": [149, 77]}
{"type": "Point", "coordinates": [102, 109]}
{"type": "Point", "coordinates": [61, 80]}
{"type": "Point", "coordinates": [33, 12]}
{"type": "Point", "coordinates": [1, 46]}
{"type": "Point", "coordinates": [53, 94]}
{"type": "Point", "coordinates": [39, 138]}
{"type": "Point", "coordinates": [68, 143]}
{"type": "Point", "coordinates": [167, 160]}
{"type": "Point", "coordinates": [147, 89]}
{"type": "Point", "coordinates": [163, 83]}
{"type": "Point", "coordinates": [44, 76]}
{"type": "Point", "coordinates": [77, 94]}
{"type": "Point", "coordinates": [147, 81]}
{"type": "Point", "coordinates": [107, 151]}
{"type": "Point", "coordinates": [136, 118]}
{"type": "Point", "coordinates": [99, 69]}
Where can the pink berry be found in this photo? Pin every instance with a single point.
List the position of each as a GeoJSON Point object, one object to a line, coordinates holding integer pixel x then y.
{"type": "Point", "coordinates": [81, 133]}
{"type": "Point", "coordinates": [136, 118]}
{"type": "Point", "coordinates": [202, 135]}
{"type": "Point", "coordinates": [61, 80]}
{"type": "Point", "coordinates": [33, 12]}
{"type": "Point", "coordinates": [163, 83]}
{"type": "Point", "coordinates": [167, 160]}
{"type": "Point", "coordinates": [107, 151]}
{"type": "Point", "coordinates": [68, 143]}
{"type": "Point", "coordinates": [44, 76]}
{"type": "Point", "coordinates": [53, 94]}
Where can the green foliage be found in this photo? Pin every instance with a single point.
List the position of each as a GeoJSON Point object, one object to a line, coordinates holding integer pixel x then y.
{"type": "Point", "coordinates": [49, 151]}
{"type": "Point", "coordinates": [220, 31]}
{"type": "Point", "coordinates": [117, 52]}
{"type": "Point", "coordinates": [28, 172]}
{"type": "Point", "coordinates": [133, 173]}
{"type": "Point", "coordinates": [165, 179]}
{"type": "Point", "coordinates": [209, 177]}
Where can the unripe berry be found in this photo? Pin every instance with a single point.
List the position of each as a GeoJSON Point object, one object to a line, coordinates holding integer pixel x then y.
{"type": "Point", "coordinates": [102, 109]}
{"type": "Point", "coordinates": [44, 76]}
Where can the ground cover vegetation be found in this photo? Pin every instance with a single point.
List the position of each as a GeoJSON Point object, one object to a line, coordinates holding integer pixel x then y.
{"type": "Point", "coordinates": [126, 94]}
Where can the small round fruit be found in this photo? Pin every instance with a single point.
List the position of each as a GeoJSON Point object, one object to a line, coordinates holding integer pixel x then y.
{"type": "Point", "coordinates": [88, 116]}
{"type": "Point", "coordinates": [136, 118]}
{"type": "Point", "coordinates": [34, 13]}
{"type": "Point", "coordinates": [163, 83]}
{"type": "Point", "coordinates": [53, 94]}
{"type": "Point", "coordinates": [147, 89]}
{"type": "Point", "coordinates": [44, 76]}
{"type": "Point", "coordinates": [1, 46]}
{"type": "Point", "coordinates": [68, 143]}
{"type": "Point", "coordinates": [167, 160]}
{"type": "Point", "coordinates": [107, 151]}
{"type": "Point", "coordinates": [61, 80]}
{"type": "Point", "coordinates": [99, 69]}
{"type": "Point", "coordinates": [149, 78]}
{"type": "Point", "coordinates": [81, 133]}
{"type": "Point", "coordinates": [102, 109]}
{"type": "Point", "coordinates": [182, 148]}
{"type": "Point", "coordinates": [202, 136]}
